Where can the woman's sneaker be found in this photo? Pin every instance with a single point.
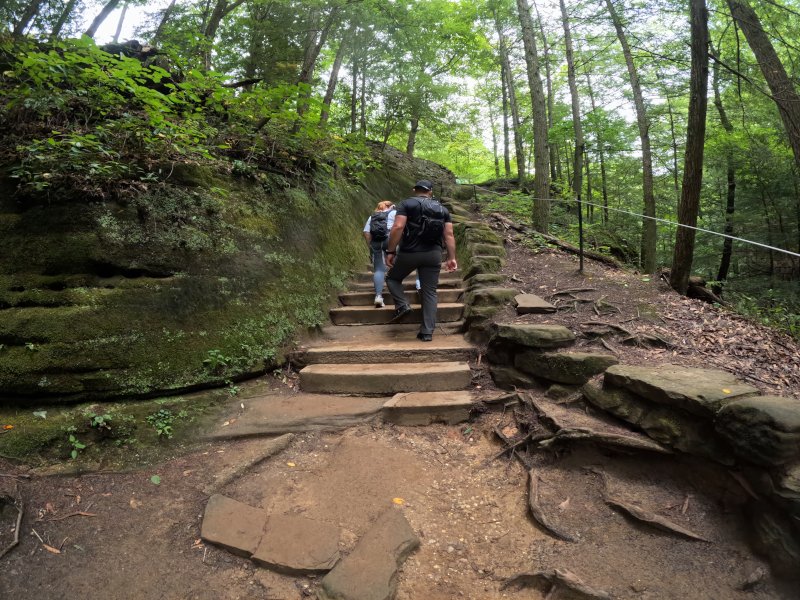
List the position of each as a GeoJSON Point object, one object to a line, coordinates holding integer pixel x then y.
{"type": "Point", "coordinates": [379, 301]}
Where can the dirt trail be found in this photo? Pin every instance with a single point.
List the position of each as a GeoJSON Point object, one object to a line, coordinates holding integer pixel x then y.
{"type": "Point", "coordinates": [470, 511]}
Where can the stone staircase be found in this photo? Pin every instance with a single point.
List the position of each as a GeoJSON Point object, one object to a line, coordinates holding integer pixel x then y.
{"type": "Point", "coordinates": [364, 354]}
{"type": "Point", "coordinates": [362, 366]}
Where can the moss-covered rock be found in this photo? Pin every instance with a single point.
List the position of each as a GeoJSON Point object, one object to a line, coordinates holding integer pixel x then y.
{"type": "Point", "coordinates": [564, 367]}
{"type": "Point", "coordinates": [190, 282]}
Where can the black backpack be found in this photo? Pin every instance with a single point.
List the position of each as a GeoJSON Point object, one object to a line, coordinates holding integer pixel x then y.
{"type": "Point", "coordinates": [430, 228]}
{"type": "Point", "coordinates": [379, 226]}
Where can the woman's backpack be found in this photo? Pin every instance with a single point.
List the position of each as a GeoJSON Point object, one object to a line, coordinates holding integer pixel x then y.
{"type": "Point", "coordinates": [379, 226]}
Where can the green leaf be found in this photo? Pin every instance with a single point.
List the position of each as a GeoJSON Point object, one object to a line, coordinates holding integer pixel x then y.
{"type": "Point", "coordinates": [74, 454]}
{"type": "Point", "coordinates": [155, 479]}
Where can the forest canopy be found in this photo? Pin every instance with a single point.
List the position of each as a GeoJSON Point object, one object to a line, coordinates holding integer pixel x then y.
{"type": "Point", "coordinates": [680, 110]}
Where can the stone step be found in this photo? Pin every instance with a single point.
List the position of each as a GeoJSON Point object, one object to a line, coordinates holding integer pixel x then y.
{"type": "Point", "coordinates": [445, 281]}
{"type": "Point", "coordinates": [424, 408]}
{"type": "Point", "coordinates": [443, 348]}
{"type": "Point", "coordinates": [369, 315]}
{"type": "Point", "coordinates": [366, 276]}
{"type": "Point", "coordinates": [376, 379]}
{"type": "Point", "coordinates": [366, 298]}
{"type": "Point", "coordinates": [278, 413]}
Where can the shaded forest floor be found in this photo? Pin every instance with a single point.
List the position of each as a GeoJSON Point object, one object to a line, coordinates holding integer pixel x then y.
{"type": "Point", "coordinates": [468, 507]}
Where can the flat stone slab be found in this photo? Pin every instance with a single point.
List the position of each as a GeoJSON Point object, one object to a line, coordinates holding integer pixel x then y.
{"type": "Point", "coordinates": [573, 421]}
{"type": "Point", "coordinates": [383, 378]}
{"type": "Point", "coordinates": [443, 348]}
{"type": "Point", "coordinates": [424, 408]}
{"type": "Point", "coordinates": [763, 429]}
{"type": "Point", "coordinates": [701, 392]}
{"type": "Point", "coordinates": [448, 295]}
{"type": "Point", "coordinates": [533, 336]}
{"type": "Point", "coordinates": [369, 315]}
{"type": "Point", "coordinates": [279, 413]}
{"type": "Point", "coordinates": [446, 280]}
{"type": "Point", "coordinates": [490, 296]}
{"type": "Point", "coordinates": [296, 545]}
{"type": "Point", "coordinates": [233, 525]}
{"type": "Point", "coordinates": [564, 367]}
{"type": "Point", "coordinates": [509, 378]}
{"type": "Point", "coordinates": [528, 304]}
{"type": "Point", "coordinates": [369, 572]}
{"type": "Point", "coordinates": [366, 276]}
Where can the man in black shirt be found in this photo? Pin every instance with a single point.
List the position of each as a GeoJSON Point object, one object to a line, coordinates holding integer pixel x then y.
{"type": "Point", "coordinates": [408, 250]}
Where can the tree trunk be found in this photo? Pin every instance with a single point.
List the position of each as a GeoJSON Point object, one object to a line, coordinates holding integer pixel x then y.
{"type": "Point", "coordinates": [730, 204]}
{"type": "Point", "coordinates": [31, 10]}
{"type": "Point", "coordinates": [506, 149]}
{"type": "Point", "coordinates": [549, 82]}
{"type": "Point", "coordinates": [164, 18]}
{"type": "Point", "coordinates": [695, 138]}
{"type": "Point", "coordinates": [649, 232]}
{"type": "Point", "coordinates": [589, 199]}
{"type": "Point", "coordinates": [493, 125]}
{"type": "Point", "coordinates": [541, 161]}
{"type": "Point", "coordinates": [412, 135]}
{"type": "Point", "coordinates": [363, 100]}
{"type": "Point", "coordinates": [600, 152]}
{"type": "Point", "coordinates": [353, 93]}
{"type": "Point", "coordinates": [580, 147]}
{"type": "Point", "coordinates": [512, 101]}
{"type": "Point", "coordinates": [110, 6]}
{"type": "Point", "coordinates": [783, 91]}
{"type": "Point", "coordinates": [62, 19]}
{"type": "Point", "coordinates": [221, 10]}
{"type": "Point", "coordinates": [314, 45]}
{"type": "Point", "coordinates": [674, 151]}
{"type": "Point", "coordinates": [120, 22]}
{"type": "Point", "coordinates": [334, 78]}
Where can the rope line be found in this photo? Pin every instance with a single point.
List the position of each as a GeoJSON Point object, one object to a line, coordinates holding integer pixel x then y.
{"type": "Point", "coordinates": [668, 222]}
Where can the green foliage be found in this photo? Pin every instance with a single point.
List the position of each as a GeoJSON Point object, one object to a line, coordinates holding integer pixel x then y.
{"type": "Point", "coordinates": [162, 421]}
{"type": "Point", "coordinates": [76, 445]}
{"type": "Point", "coordinates": [770, 308]}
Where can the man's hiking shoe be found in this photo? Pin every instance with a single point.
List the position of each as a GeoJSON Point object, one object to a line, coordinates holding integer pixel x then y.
{"type": "Point", "coordinates": [425, 337]}
{"type": "Point", "coordinates": [379, 301]}
{"type": "Point", "coordinates": [400, 312]}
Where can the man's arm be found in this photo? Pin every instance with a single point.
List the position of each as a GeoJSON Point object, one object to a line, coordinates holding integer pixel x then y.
{"type": "Point", "coordinates": [450, 244]}
{"type": "Point", "coordinates": [394, 238]}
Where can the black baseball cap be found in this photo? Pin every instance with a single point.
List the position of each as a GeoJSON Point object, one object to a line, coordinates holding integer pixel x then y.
{"type": "Point", "coordinates": [423, 184]}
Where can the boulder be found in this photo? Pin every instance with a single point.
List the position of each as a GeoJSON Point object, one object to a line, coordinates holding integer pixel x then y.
{"type": "Point", "coordinates": [296, 545]}
{"type": "Point", "coordinates": [701, 392]}
{"type": "Point", "coordinates": [564, 367]}
{"type": "Point", "coordinates": [490, 296]}
{"type": "Point", "coordinates": [534, 336]}
{"type": "Point", "coordinates": [509, 378]}
{"type": "Point", "coordinates": [775, 537]}
{"type": "Point", "coordinates": [532, 304]}
{"type": "Point", "coordinates": [764, 430]}
{"type": "Point", "coordinates": [483, 279]}
{"type": "Point", "coordinates": [489, 250]}
{"type": "Point", "coordinates": [669, 426]}
{"type": "Point", "coordinates": [483, 264]}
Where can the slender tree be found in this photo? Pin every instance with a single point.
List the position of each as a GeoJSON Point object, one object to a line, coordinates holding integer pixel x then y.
{"type": "Point", "coordinates": [649, 231]}
{"type": "Point", "coordinates": [31, 10]}
{"type": "Point", "coordinates": [541, 153]}
{"type": "Point", "coordinates": [580, 146]}
{"type": "Point", "coordinates": [334, 77]}
{"type": "Point", "coordinates": [120, 22]}
{"type": "Point", "coordinates": [783, 91]}
{"type": "Point", "coordinates": [512, 100]}
{"type": "Point", "coordinates": [695, 143]}
{"type": "Point", "coordinates": [110, 6]}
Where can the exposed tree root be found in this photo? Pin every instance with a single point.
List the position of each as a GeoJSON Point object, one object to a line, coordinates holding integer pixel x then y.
{"type": "Point", "coordinates": [551, 581]}
{"type": "Point", "coordinates": [538, 514]}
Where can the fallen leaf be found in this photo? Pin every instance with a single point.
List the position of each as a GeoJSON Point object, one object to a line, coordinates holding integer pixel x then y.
{"type": "Point", "coordinates": [564, 505]}
{"type": "Point", "coordinates": [726, 391]}
{"type": "Point", "coordinates": [155, 479]}
{"type": "Point", "coordinates": [226, 423]}
{"type": "Point", "coordinates": [398, 501]}
{"type": "Point", "coordinates": [42, 414]}
{"type": "Point", "coordinates": [290, 464]}
{"type": "Point", "coordinates": [187, 472]}
{"type": "Point", "coordinates": [51, 549]}
{"type": "Point", "coordinates": [135, 503]}
{"type": "Point", "coordinates": [7, 427]}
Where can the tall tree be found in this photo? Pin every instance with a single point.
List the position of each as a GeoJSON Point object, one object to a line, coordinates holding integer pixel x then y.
{"type": "Point", "coordinates": [31, 10]}
{"type": "Point", "coordinates": [120, 23]}
{"type": "Point", "coordinates": [783, 91]}
{"type": "Point", "coordinates": [600, 138]}
{"type": "Point", "coordinates": [580, 146]}
{"type": "Point", "coordinates": [62, 19]}
{"type": "Point", "coordinates": [649, 231]}
{"type": "Point", "coordinates": [541, 151]}
{"type": "Point", "coordinates": [110, 6]}
{"type": "Point", "coordinates": [730, 177]}
{"type": "Point", "coordinates": [334, 77]}
{"type": "Point", "coordinates": [508, 82]}
{"type": "Point", "coordinates": [695, 144]}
